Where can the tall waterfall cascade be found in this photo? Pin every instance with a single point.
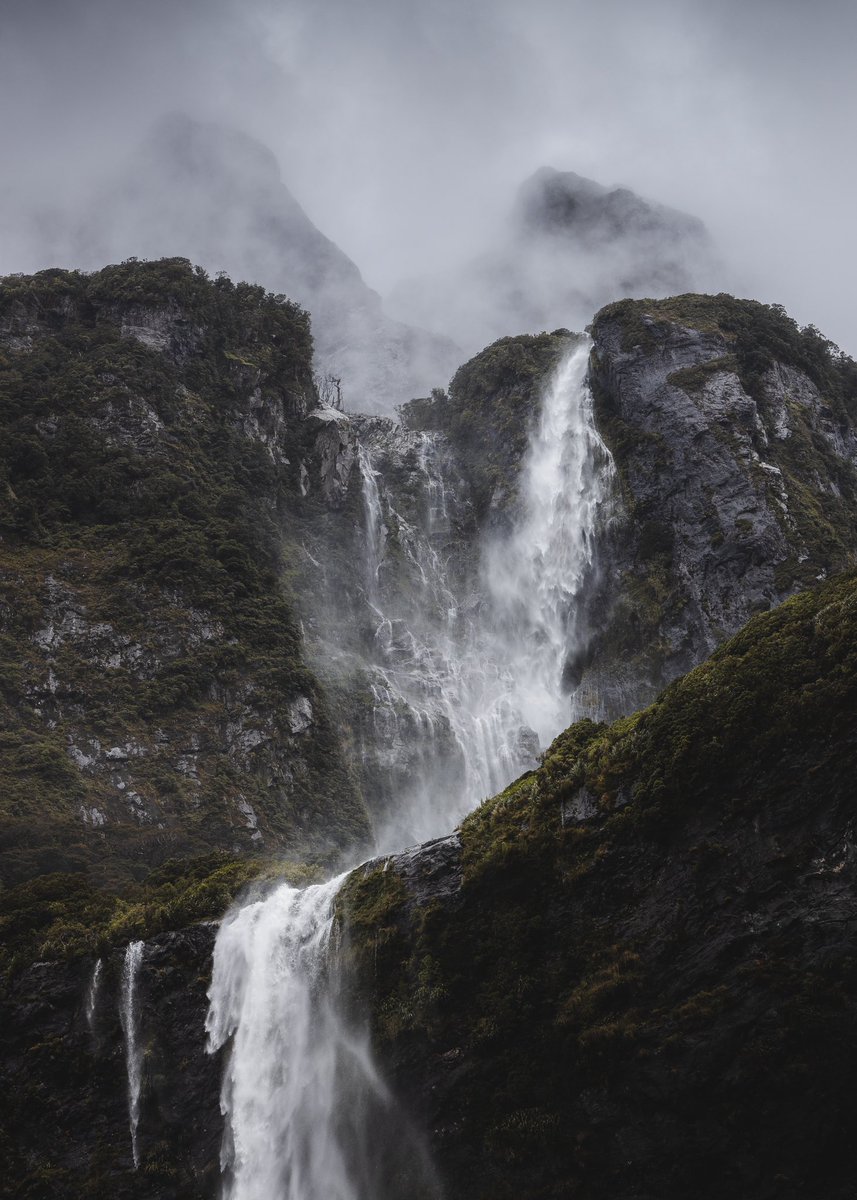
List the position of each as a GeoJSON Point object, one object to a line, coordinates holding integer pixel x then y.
{"type": "Point", "coordinates": [478, 671]}
{"type": "Point", "coordinates": [471, 676]}
{"type": "Point", "coordinates": [129, 1013]}
{"type": "Point", "coordinates": [280, 1085]}
{"type": "Point", "coordinates": [537, 576]}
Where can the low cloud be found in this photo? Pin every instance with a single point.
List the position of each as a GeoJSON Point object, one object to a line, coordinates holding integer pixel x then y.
{"type": "Point", "coordinates": [404, 128]}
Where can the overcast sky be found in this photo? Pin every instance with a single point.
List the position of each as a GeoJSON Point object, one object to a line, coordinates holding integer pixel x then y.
{"type": "Point", "coordinates": [404, 126]}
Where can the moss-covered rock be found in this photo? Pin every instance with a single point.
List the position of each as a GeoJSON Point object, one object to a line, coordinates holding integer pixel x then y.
{"type": "Point", "coordinates": [635, 975]}
{"type": "Point", "coordinates": [154, 693]}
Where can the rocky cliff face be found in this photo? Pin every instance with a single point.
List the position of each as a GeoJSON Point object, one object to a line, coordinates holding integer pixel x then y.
{"type": "Point", "coordinates": [734, 436]}
{"type": "Point", "coordinates": [224, 601]}
{"type": "Point", "coordinates": [632, 973]}
{"type": "Point", "coordinates": [156, 697]}
{"type": "Point", "coordinates": [64, 1122]}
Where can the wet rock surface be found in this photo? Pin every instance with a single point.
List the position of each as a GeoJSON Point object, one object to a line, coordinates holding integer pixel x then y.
{"type": "Point", "coordinates": [739, 483]}
{"type": "Point", "coordinates": [64, 1082]}
{"type": "Point", "coordinates": [638, 984]}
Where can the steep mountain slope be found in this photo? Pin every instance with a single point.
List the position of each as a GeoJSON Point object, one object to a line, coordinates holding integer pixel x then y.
{"type": "Point", "coordinates": [735, 437]}
{"type": "Point", "coordinates": [570, 246]}
{"type": "Point", "coordinates": [233, 626]}
{"type": "Point", "coordinates": [217, 197]}
{"type": "Point", "coordinates": [632, 974]}
{"type": "Point", "coordinates": [155, 694]}
{"type": "Point", "coordinates": [167, 468]}
{"type": "Point", "coordinates": [191, 607]}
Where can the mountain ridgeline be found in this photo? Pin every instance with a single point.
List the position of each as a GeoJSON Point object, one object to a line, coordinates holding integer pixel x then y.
{"type": "Point", "coordinates": [245, 634]}
{"type": "Point", "coordinates": [569, 246]}
{"type": "Point", "coordinates": [220, 197]}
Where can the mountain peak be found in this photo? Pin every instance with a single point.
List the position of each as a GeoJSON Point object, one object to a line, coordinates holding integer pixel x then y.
{"type": "Point", "coordinates": [196, 147]}
{"type": "Point", "coordinates": [563, 203]}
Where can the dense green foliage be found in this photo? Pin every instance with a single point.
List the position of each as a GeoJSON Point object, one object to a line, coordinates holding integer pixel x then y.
{"type": "Point", "coordinates": [489, 412]}
{"type": "Point", "coordinates": [648, 933]}
{"type": "Point", "coordinates": [145, 502]}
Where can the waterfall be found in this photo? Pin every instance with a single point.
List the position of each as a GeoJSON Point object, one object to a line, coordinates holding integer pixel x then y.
{"type": "Point", "coordinates": [537, 575]}
{"type": "Point", "coordinates": [465, 685]}
{"type": "Point", "coordinates": [472, 691]}
{"type": "Point", "coordinates": [92, 995]}
{"type": "Point", "coordinates": [374, 522]}
{"type": "Point", "coordinates": [300, 1094]}
{"type": "Point", "coordinates": [130, 1018]}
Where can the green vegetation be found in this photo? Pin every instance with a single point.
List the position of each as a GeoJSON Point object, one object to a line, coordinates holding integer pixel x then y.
{"type": "Point", "coordinates": [602, 966]}
{"type": "Point", "coordinates": [63, 916]}
{"type": "Point", "coordinates": [489, 412]}
{"type": "Point", "coordinates": [149, 438]}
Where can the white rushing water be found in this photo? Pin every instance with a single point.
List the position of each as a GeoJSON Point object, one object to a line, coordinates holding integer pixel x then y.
{"type": "Point", "coordinates": [299, 1086]}
{"type": "Point", "coordinates": [536, 576]}
{"type": "Point", "coordinates": [92, 995]}
{"type": "Point", "coordinates": [129, 1014]}
{"type": "Point", "coordinates": [468, 689]}
{"type": "Point", "coordinates": [479, 687]}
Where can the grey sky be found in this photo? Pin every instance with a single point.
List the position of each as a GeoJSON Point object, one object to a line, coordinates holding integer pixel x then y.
{"type": "Point", "coordinates": [404, 127]}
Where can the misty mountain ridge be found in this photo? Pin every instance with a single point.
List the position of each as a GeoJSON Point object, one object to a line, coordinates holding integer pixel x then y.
{"type": "Point", "coordinates": [217, 196]}
{"type": "Point", "coordinates": [570, 246]}
{"type": "Point", "coordinates": [564, 204]}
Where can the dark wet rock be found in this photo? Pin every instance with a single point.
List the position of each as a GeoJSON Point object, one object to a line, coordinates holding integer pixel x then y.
{"type": "Point", "coordinates": [651, 995]}
{"type": "Point", "coordinates": [737, 454]}
{"type": "Point", "coordinates": [63, 1080]}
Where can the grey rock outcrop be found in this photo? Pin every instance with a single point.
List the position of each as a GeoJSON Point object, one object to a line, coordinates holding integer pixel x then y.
{"type": "Point", "coordinates": [733, 498]}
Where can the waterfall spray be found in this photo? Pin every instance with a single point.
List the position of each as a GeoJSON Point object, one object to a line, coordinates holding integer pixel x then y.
{"type": "Point", "coordinates": [481, 686]}
{"type": "Point", "coordinates": [474, 685]}
{"type": "Point", "coordinates": [130, 1018]}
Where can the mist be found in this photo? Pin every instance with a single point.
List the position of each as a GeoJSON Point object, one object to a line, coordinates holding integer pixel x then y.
{"type": "Point", "coordinates": [405, 130]}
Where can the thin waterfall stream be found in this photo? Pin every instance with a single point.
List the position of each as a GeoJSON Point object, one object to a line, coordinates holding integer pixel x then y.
{"type": "Point", "coordinates": [92, 994]}
{"type": "Point", "coordinates": [485, 686]}
{"type": "Point", "coordinates": [129, 1013]}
